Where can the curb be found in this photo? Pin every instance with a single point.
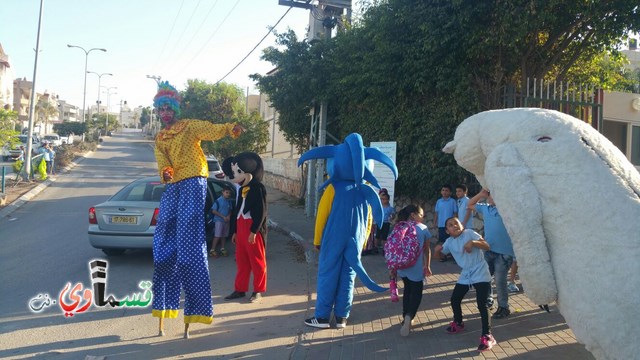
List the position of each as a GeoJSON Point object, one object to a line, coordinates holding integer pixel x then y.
{"type": "Point", "coordinates": [301, 241]}
{"type": "Point", "coordinates": [16, 204]}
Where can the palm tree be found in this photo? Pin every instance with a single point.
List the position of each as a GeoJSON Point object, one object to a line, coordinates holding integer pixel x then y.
{"type": "Point", "coordinates": [44, 109]}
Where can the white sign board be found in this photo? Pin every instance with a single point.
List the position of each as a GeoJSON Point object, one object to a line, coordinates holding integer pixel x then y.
{"type": "Point", "coordinates": [382, 172]}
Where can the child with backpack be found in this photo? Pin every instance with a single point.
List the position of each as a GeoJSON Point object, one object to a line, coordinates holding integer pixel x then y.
{"type": "Point", "coordinates": [408, 256]}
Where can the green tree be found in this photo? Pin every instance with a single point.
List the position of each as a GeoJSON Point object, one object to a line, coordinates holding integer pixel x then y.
{"type": "Point", "coordinates": [219, 104]}
{"type": "Point", "coordinates": [632, 81]}
{"type": "Point", "coordinates": [145, 117]}
{"type": "Point", "coordinates": [7, 132]}
{"type": "Point", "coordinates": [45, 111]}
{"type": "Point", "coordinates": [99, 121]}
{"type": "Point", "coordinates": [254, 139]}
{"type": "Point", "coordinates": [67, 128]}
{"type": "Point", "coordinates": [411, 71]}
{"type": "Point", "coordinates": [298, 86]}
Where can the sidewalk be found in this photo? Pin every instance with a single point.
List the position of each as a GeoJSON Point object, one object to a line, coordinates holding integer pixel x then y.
{"type": "Point", "coordinates": [373, 330]}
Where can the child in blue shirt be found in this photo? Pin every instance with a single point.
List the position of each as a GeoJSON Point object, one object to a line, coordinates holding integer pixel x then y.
{"type": "Point", "coordinates": [388, 213]}
{"type": "Point", "coordinates": [413, 277]}
{"type": "Point", "coordinates": [466, 247]}
{"type": "Point", "coordinates": [446, 207]}
{"type": "Point", "coordinates": [221, 208]}
{"type": "Point", "coordinates": [465, 214]}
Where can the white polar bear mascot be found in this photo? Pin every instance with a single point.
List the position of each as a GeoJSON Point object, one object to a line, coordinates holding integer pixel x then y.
{"type": "Point", "coordinates": [570, 201]}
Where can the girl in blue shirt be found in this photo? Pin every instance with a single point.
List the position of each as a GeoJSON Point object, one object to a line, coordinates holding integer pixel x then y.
{"type": "Point", "coordinates": [388, 214]}
{"type": "Point", "coordinates": [466, 247]}
{"type": "Point", "coordinates": [413, 277]}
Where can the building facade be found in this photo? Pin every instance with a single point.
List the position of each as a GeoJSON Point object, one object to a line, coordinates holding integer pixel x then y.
{"type": "Point", "coordinates": [21, 97]}
{"type": "Point", "coordinates": [68, 112]}
{"type": "Point", "coordinates": [6, 81]}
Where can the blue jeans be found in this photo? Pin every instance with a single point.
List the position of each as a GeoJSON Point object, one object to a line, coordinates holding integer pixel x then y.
{"type": "Point", "coordinates": [499, 265]}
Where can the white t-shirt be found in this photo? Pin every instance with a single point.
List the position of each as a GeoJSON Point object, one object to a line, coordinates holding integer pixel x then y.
{"type": "Point", "coordinates": [474, 267]}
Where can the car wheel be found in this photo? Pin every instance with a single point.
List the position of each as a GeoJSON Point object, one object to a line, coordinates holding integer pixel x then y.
{"type": "Point", "coordinates": [113, 252]}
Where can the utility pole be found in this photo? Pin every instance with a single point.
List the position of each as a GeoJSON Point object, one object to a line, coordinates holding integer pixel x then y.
{"type": "Point", "coordinates": [32, 105]}
{"type": "Point", "coordinates": [106, 121]}
{"type": "Point", "coordinates": [322, 20]}
{"type": "Point", "coordinates": [157, 79]}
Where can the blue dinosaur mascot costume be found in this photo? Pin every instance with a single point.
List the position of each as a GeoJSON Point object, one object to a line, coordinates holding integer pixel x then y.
{"type": "Point", "coordinates": [345, 214]}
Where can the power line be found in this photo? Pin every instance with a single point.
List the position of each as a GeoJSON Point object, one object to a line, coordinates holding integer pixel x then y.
{"type": "Point", "coordinates": [200, 26]}
{"type": "Point", "coordinates": [211, 37]}
{"type": "Point", "coordinates": [185, 29]}
{"type": "Point", "coordinates": [255, 47]}
{"type": "Point", "coordinates": [175, 20]}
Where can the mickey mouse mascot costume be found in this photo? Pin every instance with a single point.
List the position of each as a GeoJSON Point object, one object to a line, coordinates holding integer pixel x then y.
{"type": "Point", "coordinates": [248, 224]}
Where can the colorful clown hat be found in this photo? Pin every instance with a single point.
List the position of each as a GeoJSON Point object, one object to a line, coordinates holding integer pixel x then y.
{"type": "Point", "coordinates": [167, 95]}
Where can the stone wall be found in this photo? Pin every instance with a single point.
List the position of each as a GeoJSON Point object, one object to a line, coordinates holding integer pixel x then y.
{"type": "Point", "coordinates": [284, 175]}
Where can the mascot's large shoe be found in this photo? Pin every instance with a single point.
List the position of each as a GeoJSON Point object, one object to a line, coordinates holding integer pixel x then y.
{"type": "Point", "coordinates": [345, 214]}
{"type": "Point", "coordinates": [570, 201]}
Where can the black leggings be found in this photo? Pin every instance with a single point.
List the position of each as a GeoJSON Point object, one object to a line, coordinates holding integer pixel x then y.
{"type": "Point", "coordinates": [482, 293]}
{"type": "Point", "coordinates": [411, 297]}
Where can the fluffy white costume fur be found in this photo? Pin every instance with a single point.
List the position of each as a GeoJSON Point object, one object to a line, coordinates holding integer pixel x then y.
{"type": "Point", "coordinates": [570, 201]}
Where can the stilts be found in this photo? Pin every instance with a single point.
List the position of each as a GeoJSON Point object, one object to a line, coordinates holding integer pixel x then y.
{"type": "Point", "coordinates": [186, 331]}
{"type": "Point", "coordinates": [161, 327]}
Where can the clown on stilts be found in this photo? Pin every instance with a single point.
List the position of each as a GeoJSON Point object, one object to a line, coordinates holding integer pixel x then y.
{"type": "Point", "coordinates": [179, 248]}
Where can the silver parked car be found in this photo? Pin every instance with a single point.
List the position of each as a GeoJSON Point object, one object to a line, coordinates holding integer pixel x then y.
{"type": "Point", "coordinates": [128, 219]}
{"type": "Point", "coordinates": [215, 171]}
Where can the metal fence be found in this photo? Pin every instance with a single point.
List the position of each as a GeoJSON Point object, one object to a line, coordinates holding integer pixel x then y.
{"type": "Point", "coordinates": [582, 101]}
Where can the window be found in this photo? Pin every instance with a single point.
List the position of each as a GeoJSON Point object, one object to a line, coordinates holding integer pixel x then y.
{"type": "Point", "coordinates": [140, 191]}
{"type": "Point", "coordinates": [635, 145]}
{"type": "Point", "coordinates": [626, 137]}
{"type": "Point", "coordinates": [616, 132]}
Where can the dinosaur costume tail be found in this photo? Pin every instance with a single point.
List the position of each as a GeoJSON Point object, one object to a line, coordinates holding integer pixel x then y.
{"type": "Point", "coordinates": [353, 258]}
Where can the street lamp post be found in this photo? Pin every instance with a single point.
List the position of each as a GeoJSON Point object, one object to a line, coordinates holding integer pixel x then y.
{"type": "Point", "coordinates": [86, 59]}
{"type": "Point", "coordinates": [157, 79]}
{"type": "Point", "coordinates": [109, 93]}
{"type": "Point", "coordinates": [99, 77]}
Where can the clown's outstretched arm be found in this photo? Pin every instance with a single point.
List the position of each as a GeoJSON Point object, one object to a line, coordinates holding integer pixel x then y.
{"type": "Point", "coordinates": [210, 131]}
{"type": "Point", "coordinates": [324, 209]}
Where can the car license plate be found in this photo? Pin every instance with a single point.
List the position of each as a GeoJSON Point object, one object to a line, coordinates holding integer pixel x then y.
{"type": "Point", "coordinates": [124, 220]}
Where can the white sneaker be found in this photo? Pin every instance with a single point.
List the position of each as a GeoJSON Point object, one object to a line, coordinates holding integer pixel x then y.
{"type": "Point", "coordinates": [341, 322]}
{"type": "Point", "coordinates": [512, 287]}
{"type": "Point", "coordinates": [406, 326]}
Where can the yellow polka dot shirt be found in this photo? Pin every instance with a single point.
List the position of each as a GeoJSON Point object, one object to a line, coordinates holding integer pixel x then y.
{"type": "Point", "coordinates": [178, 148]}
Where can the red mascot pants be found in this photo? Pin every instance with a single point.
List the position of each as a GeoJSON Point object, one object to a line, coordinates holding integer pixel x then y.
{"type": "Point", "coordinates": [250, 258]}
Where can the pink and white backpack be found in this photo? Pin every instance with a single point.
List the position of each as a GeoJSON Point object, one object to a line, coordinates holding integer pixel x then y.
{"type": "Point", "coordinates": [402, 247]}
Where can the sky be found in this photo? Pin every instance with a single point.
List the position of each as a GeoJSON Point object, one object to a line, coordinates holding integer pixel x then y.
{"type": "Point", "coordinates": [177, 40]}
